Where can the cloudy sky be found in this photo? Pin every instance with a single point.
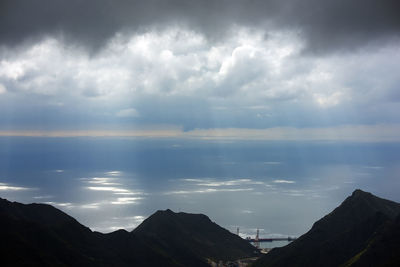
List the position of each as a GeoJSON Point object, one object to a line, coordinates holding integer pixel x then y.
{"type": "Point", "coordinates": [201, 69]}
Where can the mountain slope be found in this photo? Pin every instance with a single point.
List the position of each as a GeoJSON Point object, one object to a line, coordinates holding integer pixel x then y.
{"type": "Point", "coordinates": [192, 238]}
{"type": "Point", "coordinates": [383, 248]}
{"type": "Point", "coordinates": [339, 236]}
{"type": "Point", "coordinates": [41, 235]}
{"type": "Point", "coordinates": [38, 234]}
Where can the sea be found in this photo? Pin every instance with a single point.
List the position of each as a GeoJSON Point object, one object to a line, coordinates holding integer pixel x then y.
{"type": "Point", "coordinates": [279, 188]}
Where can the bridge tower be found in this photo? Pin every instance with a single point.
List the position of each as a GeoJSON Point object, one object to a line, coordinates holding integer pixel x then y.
{"type": "Point", "coordinates": [257, 242]}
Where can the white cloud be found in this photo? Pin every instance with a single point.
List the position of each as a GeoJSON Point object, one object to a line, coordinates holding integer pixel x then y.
{"type": "Point", "coordinates": [239, 76]}
{"type": "Point", "coordinates": [13, 69]}
{"type": "Point", "coordinates": [174, 62]}
{"type": "Point", "coordinates": [329, 100]}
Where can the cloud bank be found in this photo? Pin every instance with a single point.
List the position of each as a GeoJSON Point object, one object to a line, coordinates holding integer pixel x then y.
{"type": "Point", "coordinates": [325, 25]}
{"type": "Point", "coordinates": [109, 66]}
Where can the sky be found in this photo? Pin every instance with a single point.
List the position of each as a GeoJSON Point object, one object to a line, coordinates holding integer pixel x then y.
{"type": "Point", "coordinates": [68, 67]}
{"type": "Point", "coordinates": [213, 71]}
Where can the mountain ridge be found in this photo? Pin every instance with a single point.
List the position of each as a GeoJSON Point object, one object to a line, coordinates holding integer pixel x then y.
{"type": "Point", "coordinates": [205, 238]}
{"type": "Point", "coordinates": [362, 231]}
{"type": "Point", "coordinates": [40, 234]}
{"type": "Point", "coordinates": [339, 236]}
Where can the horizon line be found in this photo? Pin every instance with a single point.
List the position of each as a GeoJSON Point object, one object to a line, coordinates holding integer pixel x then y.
{"type": "Point", "coordinates": [359, 133]}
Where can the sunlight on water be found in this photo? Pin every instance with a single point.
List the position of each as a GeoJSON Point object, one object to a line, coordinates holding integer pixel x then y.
{"type": "Point", "coordinates": [279, 188]}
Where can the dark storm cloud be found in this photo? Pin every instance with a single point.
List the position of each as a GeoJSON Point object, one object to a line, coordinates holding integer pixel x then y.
{"type": "Point", "coordinates": [325, 25]}
{"type": "Point", "coordinates": [341, 24]}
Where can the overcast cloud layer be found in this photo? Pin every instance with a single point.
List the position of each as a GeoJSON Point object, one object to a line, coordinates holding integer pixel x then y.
{"type": "Point", "coordinates": [328, 24]}
{"type": "Point", "coordinates": [101, 65]}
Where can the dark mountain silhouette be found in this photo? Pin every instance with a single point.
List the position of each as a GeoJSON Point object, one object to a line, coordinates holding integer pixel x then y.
{"type": "Point", "coordinates": [190, 238]}
{"type": "Point", "coordinates": [41, 235]}
{"type": "Point", "coordinates": [383, 248]}
{"type": "Point", "coordinates": [363, 228]}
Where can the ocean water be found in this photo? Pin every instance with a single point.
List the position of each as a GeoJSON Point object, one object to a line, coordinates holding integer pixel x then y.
{"type": "Point", "coordinates": [274, 244]}
{"type": "Point", "coordinates": [280, 188]}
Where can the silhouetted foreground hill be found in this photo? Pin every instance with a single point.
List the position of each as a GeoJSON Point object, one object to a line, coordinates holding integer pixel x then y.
{"type": "Point", "coordinates": [362, 231]}
{"type": "Point", "coordinates": [190, 237]}
{"type": "Point", "coordinates": [41, 235]}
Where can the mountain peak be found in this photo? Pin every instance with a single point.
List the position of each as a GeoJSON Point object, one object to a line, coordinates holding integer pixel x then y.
{"type": "Point", "coordinates": [360, 193]}
{"type": "Point", "coordinates": [167, 211]}
{"type": "Point", "coordinates": [192, 236]}
{"type": "Point", "coordinates": [164, 212]}
{"type": "Point", "coordinates": [364, 204]}
{"type": "Point", "coordinates": [49, 237]}
{"type": "Point", "coordinates": [338, 236]}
